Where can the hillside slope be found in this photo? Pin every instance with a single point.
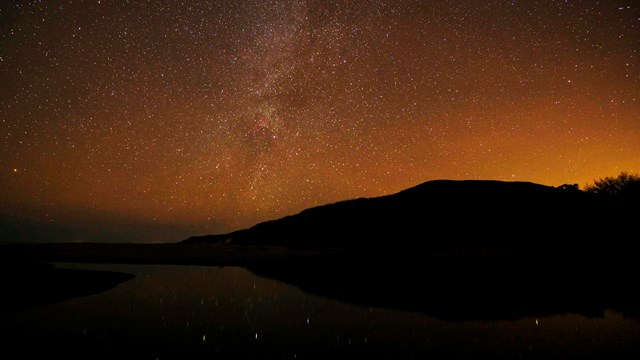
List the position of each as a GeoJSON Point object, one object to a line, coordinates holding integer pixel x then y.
{"type": "Point", "coordinates": [446, 215]}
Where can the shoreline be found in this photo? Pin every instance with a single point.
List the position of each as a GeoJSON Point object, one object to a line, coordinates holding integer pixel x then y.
{"type": "Point", "coordinates": [161, 254]}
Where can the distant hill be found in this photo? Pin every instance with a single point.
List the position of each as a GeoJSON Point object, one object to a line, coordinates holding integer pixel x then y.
{"type": "Point", "coordinates": [446, 215]}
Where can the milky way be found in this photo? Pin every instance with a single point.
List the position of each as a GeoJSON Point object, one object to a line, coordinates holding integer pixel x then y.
{"type": "Point", "coordinates": [156, 120]}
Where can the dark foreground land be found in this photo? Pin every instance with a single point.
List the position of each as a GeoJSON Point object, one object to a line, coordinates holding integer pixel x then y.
{"type": "Point", "coordinates": [27, 285]}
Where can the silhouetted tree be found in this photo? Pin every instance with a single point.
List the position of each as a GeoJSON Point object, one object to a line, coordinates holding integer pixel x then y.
{"type": "Point", "coordinates": [625, 184]}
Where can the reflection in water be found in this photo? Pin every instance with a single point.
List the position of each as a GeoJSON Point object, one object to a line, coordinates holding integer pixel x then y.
{"type": "Point", "coordinates": [467, 288]}
{"type": "Point", "coordinates": [209, 312]}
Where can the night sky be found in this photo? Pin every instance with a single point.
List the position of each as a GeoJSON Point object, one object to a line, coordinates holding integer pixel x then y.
{"type": "Point", "coordinates": [155, 120]}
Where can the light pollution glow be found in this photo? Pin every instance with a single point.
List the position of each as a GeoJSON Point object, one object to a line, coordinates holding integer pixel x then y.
{"type": "Point", "coordinates": [154, 120]}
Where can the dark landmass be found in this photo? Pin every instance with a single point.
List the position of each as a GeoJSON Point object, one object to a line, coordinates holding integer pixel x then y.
{"type": "Point", "coordinates": [447, 215]}
{"type": "Point", "coordinates": [441, 216]}
{"type": "Point", "coordinates": [27, 285]}
{"type": "Point", "coordinates": [457, 250]}
{"type": "Point", "coordinates": [463, 250]}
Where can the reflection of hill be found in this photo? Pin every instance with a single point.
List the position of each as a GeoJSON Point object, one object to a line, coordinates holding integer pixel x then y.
{"type": "Point", "coordinates": [447, 215]}
{"type": "Point", "coordinates": [464, 288]}
{"type": "Point", "coordinates": [27, 285]}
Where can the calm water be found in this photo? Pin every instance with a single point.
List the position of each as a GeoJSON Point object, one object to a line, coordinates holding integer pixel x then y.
{"type": "Point", "coordinates": [210, 312]}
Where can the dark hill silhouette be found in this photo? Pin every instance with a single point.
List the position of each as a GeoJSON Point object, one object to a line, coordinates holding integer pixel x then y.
{"type": "Point", "coordinates": [448, 215]}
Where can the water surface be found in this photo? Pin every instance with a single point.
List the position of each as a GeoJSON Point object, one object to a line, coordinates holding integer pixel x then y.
{"type": "Point", "coordinates": [211, 312]}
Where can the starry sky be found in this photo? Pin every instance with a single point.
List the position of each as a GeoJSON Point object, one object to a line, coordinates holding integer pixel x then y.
{"type": "Point", "coordinates": [154, 120]}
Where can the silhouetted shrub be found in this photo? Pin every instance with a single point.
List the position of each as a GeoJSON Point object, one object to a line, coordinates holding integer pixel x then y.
{"type": "Point", "coordinates": [625, 184]}
{"type": "Point", "coordinates": [569, 187]}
